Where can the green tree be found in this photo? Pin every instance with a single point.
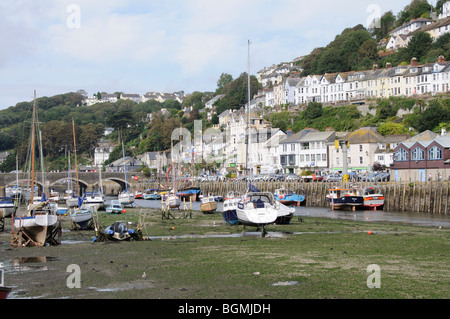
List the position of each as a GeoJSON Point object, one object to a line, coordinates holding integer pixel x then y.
{"type": "Point", "coordinates": [391, 128]}
{"type": "Point", "coordinates": [435, 114]}
{"type": "Point", "coordinates": [419, 45]}
{"type": "Point", "coordinates": [224, 79]}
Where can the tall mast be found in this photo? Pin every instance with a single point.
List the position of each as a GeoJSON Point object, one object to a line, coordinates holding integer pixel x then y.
{"type": "Point", "coordinates": [32, 147]}
{"type": "Point", "coordinates": [125, 167]}
{"type": "Point", "coordinates": [248, 117]}
{"type": "Point", "coordinates": [75, 152]}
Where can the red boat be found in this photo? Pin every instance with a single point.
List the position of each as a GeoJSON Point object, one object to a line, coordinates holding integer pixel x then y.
{"type": "Point", "coordinates": [4, 292]}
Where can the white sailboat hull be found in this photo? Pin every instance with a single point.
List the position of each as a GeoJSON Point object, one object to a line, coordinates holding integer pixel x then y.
{"type": "Point", "coordinates": [249, 215]}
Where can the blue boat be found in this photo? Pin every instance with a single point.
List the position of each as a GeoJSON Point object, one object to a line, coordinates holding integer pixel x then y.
{"type": "Point", "coordinates": [189, 193]}
{"type": "Point", "coordinates": [229, 209]}
{"type": "Point", "coordinates": [288, 197]}
{"type": "Point", "coordinates": [153, 194]}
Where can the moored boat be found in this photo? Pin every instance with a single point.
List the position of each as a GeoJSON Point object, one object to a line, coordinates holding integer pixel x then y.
{"type": "Point", "coordinates": [7, 206]}
{"type": "Point", "coordinates": [288, 197]}
{"type": "Point", "coordinates": [373, 198]}
{"type": "Point", "coordinates": [345, 198]}
{"type": "Point", "coordinates": [115, 207]}
{"type": "Point", "coordinates": [208, 204]}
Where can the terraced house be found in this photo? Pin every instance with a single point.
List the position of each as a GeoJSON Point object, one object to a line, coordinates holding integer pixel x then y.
{"type": "Point", "coordinates": [402, 81]}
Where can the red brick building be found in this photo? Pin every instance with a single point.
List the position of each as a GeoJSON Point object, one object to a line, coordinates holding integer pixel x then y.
{"type": "Point", "coordinates": [422, 160]}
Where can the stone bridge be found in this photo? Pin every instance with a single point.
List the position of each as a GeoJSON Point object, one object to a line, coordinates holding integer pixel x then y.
{"type": "Point", "coordinates": [86, 180]}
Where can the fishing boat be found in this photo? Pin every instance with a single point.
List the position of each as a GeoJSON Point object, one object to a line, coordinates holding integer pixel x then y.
{"type": "Point", "coordinates": [115, 207]}
{"type": "Point", "coordinates": [288, 197]}
{"type": "Point", "coordinates": [345, 198]}
{"type": "Point", "coordinates": [7, 206]}
{"type": "Point", "coordinates": [208, 204]}
{"type": "Point", "coordinates": [229, 209]}
{"type": "Point", "coordinates": [152, 194]}
{"type": "Point", "coordinates": [373, 198]}
{"type": "Point", "coordinates": [40, 219]}
{"type": "Point", "coordinates": [138, 195]}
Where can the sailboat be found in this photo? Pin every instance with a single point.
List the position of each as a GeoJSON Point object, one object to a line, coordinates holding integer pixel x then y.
{"type": "Point", "coordinates": [96, 199]}
{"type": "Point", "coordinates": [229, 209]}
{"type": "Point", "coordinates": [80, 215]}
{"type": "Point", "coordinates": [172, 200]}
{"type": "Point", "coordinates": [255, 208]}
{"type": "Point", "coordinates": [126, 198]}
{"type": "Point", "coordinates": [40, 220]}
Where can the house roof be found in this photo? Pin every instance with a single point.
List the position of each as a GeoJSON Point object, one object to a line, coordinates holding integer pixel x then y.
{"type": "Point", "coordinates": [364, 135]}
{"type": "Point", "coordinates": [424, 136]}
{"type": "Point", "coordinates": [316, 136]}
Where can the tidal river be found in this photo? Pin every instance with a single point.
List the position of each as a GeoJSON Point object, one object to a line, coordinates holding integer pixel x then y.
{"type": "Point", "coordinates": [424, 219]}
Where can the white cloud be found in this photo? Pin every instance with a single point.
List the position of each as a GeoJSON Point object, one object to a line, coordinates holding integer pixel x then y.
{"type": "Point", "coordinates": [154, 45]}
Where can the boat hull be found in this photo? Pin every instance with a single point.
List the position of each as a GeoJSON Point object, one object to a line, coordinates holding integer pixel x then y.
{"type": "Point", "coordinates": [209, 207]}
{"type": "Point", "coordinates": [82, 218]}
{"type": "Point", "coordinates": [4, 292]}
{"type": "Point", "coordinates": [249, 215]}
{"type": "Point", "coordinates": [347, 201]}
{"type": "Point", "coordinates": [291, 200]}
{"type": "Point", "coordinates": [374, 201]}
{"type": "Point", "coordinates": [37, 227]}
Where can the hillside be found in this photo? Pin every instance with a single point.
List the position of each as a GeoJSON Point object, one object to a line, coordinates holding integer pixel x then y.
{"type": "Point", "coordinates": [357, 48]}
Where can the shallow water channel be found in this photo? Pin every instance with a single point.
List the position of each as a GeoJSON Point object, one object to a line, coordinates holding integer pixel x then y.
{"type": "Point", "coordinates": [424, 219]}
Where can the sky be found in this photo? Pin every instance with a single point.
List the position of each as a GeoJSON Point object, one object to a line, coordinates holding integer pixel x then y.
{"type": "Point", "coordinates": [139, 46]}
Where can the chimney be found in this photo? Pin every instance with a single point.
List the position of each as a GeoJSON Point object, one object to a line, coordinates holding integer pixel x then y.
{"type": "Point", "coordinates": [441, 59]}
{"type": "Point", "coordinates": [414, 62]}
{"type": "Point", "coordinates": [288, 132]}
{"type": "Point", "coordinates": [375, 66]}
{"type": "Point", "coordinates": [388, 65]}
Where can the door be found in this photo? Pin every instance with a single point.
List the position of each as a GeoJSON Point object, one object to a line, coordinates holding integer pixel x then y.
{"type": "Point", "coordinates": [422, 175]}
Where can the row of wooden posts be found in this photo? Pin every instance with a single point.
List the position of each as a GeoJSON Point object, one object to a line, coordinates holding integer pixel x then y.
{"type": "Point", "coordinates": [428, 197]}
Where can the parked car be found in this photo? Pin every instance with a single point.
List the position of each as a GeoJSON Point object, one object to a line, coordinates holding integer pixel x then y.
{"type": "Point", "coordinates": [333, 178]}
{"type": "Point", "coordinates": [382, 177]}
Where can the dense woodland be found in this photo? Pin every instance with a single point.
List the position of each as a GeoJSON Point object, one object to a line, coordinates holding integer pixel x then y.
{"type": "Point", "coordinates": [354, 49]}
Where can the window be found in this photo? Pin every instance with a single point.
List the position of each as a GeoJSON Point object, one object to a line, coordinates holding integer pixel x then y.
{"type": "Point", "coordinates": [302, 158]}
{"type": "Point", "coordinates": [361, 160]}
{"type": "Point", "coordinates": [283, 160]}
{"type": "Point", "coordinates": [360, 148]}
{"type": "Point", "coordinates": [435, 153]}
{"type": "Point", "coordinates": [305, 146]}
{"type": "Point", "coordinates": [417, 154]}
{"type": "Point", "coordinates": [337, 160]}
{"type": "Point", "coordinates": [401, 155]}
{"type": "Point", "coordinates": [291, 160]}
{"type": "Point", "coordinates": [324, 157]}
